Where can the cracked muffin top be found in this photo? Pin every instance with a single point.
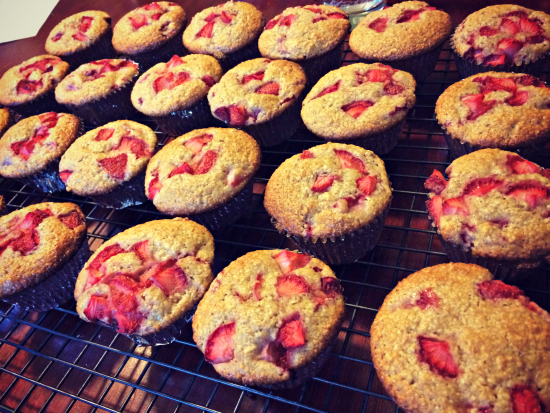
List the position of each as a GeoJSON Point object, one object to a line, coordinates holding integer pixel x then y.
{"type": "Point", "coordinates": [327, 191]}
{"type": "Point", "coordinates": [268, 314]}
{"type": "Point", "coordinates": [448, 339]}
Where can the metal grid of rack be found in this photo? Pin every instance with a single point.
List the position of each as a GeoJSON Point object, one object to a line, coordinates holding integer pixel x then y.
{"type": "Point", "coordinates": [55, 362]}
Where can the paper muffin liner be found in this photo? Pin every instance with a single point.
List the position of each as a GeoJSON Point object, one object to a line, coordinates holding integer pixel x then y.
{"type": "Point", "coordinates": [57, 288]}
{"type": "Point", "coordinates": [228, 213]}
{"type": "Point", "coordinates": [129, 193]}
{"type": "Point", "coordinates": [42, 103]}
{"type": "Point", "coordinates": [316, 67]}
{"type": "Point", "coordinates": [102, 48]}
{"type": "Point", "coordinates": [508, 271]}
{"type": "Point", "coordinates": [197, 116]}
{"type": "Point", "coordinates": [249, 52]}
{"type": "Point", "coordinates": [346, 248]}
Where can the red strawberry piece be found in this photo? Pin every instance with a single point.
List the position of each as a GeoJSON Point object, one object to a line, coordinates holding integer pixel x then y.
{"type": "Point", "coordinates": [379, 24]}
{"type": "Point", "coordinates": [174, 62]}
{"type": "Point", "coordinates": [195, 144]}
{"type": "Point", "coordinates": [258, 287]}
{"type": "Point", "coordinates": [139, 20]}
{"type": "Point", "coordinates": [34, 219]}
{"type": "Point", "coordinates": [156, 16]}
{"type": "Point", "coordinates": [393, 88]}
{"type": "Point", "coordinates": [496, 289]}
{"type": "Point", "coordinates": [510, 47]}
{"type": "Point", "coordinates": [80, 37]}
{"type": "Point", "coordinates": [206, 31]}
{"type": "Point", "coordinates": [436, 182]}
{"type": "Point", "coordinates": [104, 134]}
{"type": "Point", "coordinates": [274, 352]}
{"type": "Point", "coordinates": [220, 346]}
{"type": "Point", "coordinates": [481, 186]}
{"type": "Point", "coordinates": [206, 163]}
{"type": "Point", "coordinates": [491, 84]}
{"type": "Point", "coordinates": [307, 155]}
{"type": "Point", "coordinates": [518, 165]}
{"type": "Point", "coordinates": [271, 24]}
{"type": "Point", "coordinates": [291, 332]}
{"type": "Point", "coordinates": [495, 59]}
{"type": "Point", "coordinates": [487, 31]}
{"type": "Point", "coordinates": [152, 6]}
{"type": "Point", "coordinates": [525, 400]}
{"type": "Point", "coordinates": [455, 206]}
{"type": "Point", "coordinates": [26, 87]}
{"type": "Point", "coordinates": [98, 309]}
{"type": "Point", "coordinates": [64, 175]}
{"type": "Point", "coordinates": [322, 183]}
{"type": "Point", "coordinates": [44, 65]}
{"type": "Point", "coordinates": [115, 166]}
{"type": "Point", "coordinates": [330, 286]}
{"type": "Point", "coordinates": [71, 220]}
{"type": "Point", "coordinates": [57, 37]}
{"type": "Point", "coordinates": [289, 261]}
{"type": "Point", "coordinates": [477, 106]}
{"type": "Point", "coordinates": [85, 23]}
{"type": "Point", "coordinates": [347, 160]}
{"type": "Point", "coordinates": [536, 39]}
{"type": "Point", "coordinates": [409, 15]}
{"type": "Point", "coordinates": [355, 109]}
{"type": "Point", "coordinates": [182, 169]}
{"type": "Point", "coordinates": [366, 185]}
{"type": "Point", "coordinates": [528, 80]}
{"type": "Point", "coordinates": [237, 115]}
{"type": "Point", "coordinates": [428, 299]}
{"type": "Point", "coordinates": [271, 88]}
{"type": "Point", "coordinates": [518, 99]}
{"type": "Point", "coordinates": [436, 353]}
{"type": "Point", "coordinates": [329, 89]}
{"type": "Point", "coordinates": [154, 187]}
{"type": "Point", "coordinates": [209, 80]}
{"type": "Point", "coordinates": [531, 192]}
{"type": "Point", "coordinates": [170, 81]}
{"type": "Point", "coordinates": [170, 279]}
{"type": "Point", "coordinates": [319, 18]}
{"type": "Point", "coordinates": [123, 289]}
{"type": "Point", "coordinates": [135, 145]}
{"type": "Point", "coordinates": [516, 13]}
{"type": "Point", "coordinates": [49, 119]}
{"type": "Point", "coordinates": [226, 17]}
{"type": "Point", "coordinates": [254, 76]}
{"type": "Point", "coordinates": [313, 8]}
{"type": "Point", "coordinates": [104, 255]}
{"type": "Point", "coordinates": [336, 16]}
{"type": "Point", "coordinates": [128, 323]}
{"type": "Point", "coordinates": [26, 242]}
{"type": "Point", "coordinates": [291, 284]}
{"type": "Point", "coordinates": [435, 208]}
{"type": "Point", "coordinates": [287, 20]}
{"type": "Point", "coordinates": [509, 26]}
{"type": "Point", "coordinates": [354, 201]}
{"type": "Point", "coordinates": [529, 26]}
{"type": "Point", "coordinates": [211, 17]}
{"type": "Point", "coordinates": [376, 75]}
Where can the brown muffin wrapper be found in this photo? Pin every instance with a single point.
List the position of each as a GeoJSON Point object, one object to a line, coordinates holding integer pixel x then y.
{"type": "Point", "coordinates": [197, 116]}
{"type": "Point", "coordinates": [101, 49]}
{"type": "Point", "coordinates": [319, 66]}
{"type": "Point", "coordinates": [508, 271]}
{"type": "Point", "coordinates": [56, 289]}
{"type": "Point", "coordinates": [41, 104]}
{"type": "Point", "coordinates": [129, 193]}
{"type": "Point", "coordinates": [248, 52]}
{"type": "Point", "coordinates": [228, 213]}
{"type": "Point", "coordinates": [346, 248]}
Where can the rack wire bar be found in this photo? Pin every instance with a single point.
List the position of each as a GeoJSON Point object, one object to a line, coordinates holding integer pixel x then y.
{"type": "Point", "coordinates": [55, 362]}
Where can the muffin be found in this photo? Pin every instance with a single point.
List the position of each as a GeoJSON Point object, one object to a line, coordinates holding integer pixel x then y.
{"type": "Point", "coordinates": [408, 36]}
{"type": "Point", "coordinates": [261, 97]}
{"type": "Point", "coordinates": [495, 110]}
{"type": "Point", "coordinates": [108, 163]}
{"type": "Point", "coordinates": [6, 120]}
{"type": "Point", "coordinates": [81, 38]}
{"type": "Point", "coordinates": [150, 34]}
{"type": "Point", "coordinates": [270, 318]}
{"type": "Point", "coordinates": [42, 248]}
{"type": "Point", "coordinates": [450, 338]}
{"type": "Point", "coordinates": [228, 31]}
{"type": "Point", "coordinates": [502, 38]}
{"type": "Point", "coordinates": [99, 91]}
{"type": "Point", "coordinates": [28, 88]}
{"type": "Point", "coordinates": [174, 93]}
{"type": "Point", "coordinates": [312, 36]}
{"type": "Point", "coordinates": [30, 150]}
{"type": "Point", "coordinates": [331, 199]}
{"type": "Point", "coordinates": [206, 175]}
{"type": "Point", "coordinates": [493, 211]}
{"type": "Point", "coordinates": [360, 104]}
{"type": "Point", "coordinates": [145, 280]}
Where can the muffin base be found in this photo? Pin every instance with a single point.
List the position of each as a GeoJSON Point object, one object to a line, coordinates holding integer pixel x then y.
{"type": "Point", "coordinates": [125, 195]}
{"type": "Point", "coordinates": [346, 248]}
{"type": "Point", "coordinates": [319, 66]}
{"type": "Point", "coordinates": [248, 52]}
{"type": "Point", "coordinates": [466, 67]}
{"type": "Point", "coordinates": [182, 121]}
{"type": "Point", "coordinates": [101, 49]}
{"type": "Point", "coordinates": [56, 289]}
{"type": "Point", "coordinates": [41, 104]}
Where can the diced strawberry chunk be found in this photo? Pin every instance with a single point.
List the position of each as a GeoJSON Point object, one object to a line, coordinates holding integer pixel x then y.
{"type": "Point", "coordinates": [206, 163]}
{"type": "Point", "coordinates": [220, 345]}
{"type": "Point", "coordinates": [64, 175]}
{"type": "Point", "coordinates": [226, 17]}
{"type": "Point", "coordinates": [80, 37]}
{"type": "Point", "coordinates": [330, 286]}
{"type": "Point", "coordinates": [435, 208]}
{"type": "Point", "coordinates": [491, 84]}
{"type": "Point", "coordinates": [104, 255]}
{"type": "Point", "coordinates": [287, 20]}
{"type": "Point", "coordinates": [139, 20]}
{"type": "Point", "coordinates": [336, 16]}
{"type": "Point", "coordinates": [379, 24]}
{"type": "Point", "coordinates": [71, 220]}
{"type": "Point", "coordinates": [509, 26]}
{"type": "Point", "coordinates": [170, 81]}
{"type": "Point", "coordinates": [355, 109]}
{"type": "Point", "coordinates": [322, 183]}
{"type": "Point", "coordinates": [206, 31]}
{"type": "Point", "coordinates": [135, 145]}
{"type": "Point", "coordinates": [428, 299]}
{"type": "Point", "coordinates": [254, 76]}
{"type": "Point", "coordinates": [258, 287]}
{"type": "Point", "coordinates": [319, 18]}
{"type": "Point", "coordinates": [291, 332]}
{"type": "Point", "coordinates": [57, 37]}
{"type": "Point", "coordinates": [291, 284]}
{"type": "Point", "coordinates": [26, 87]}
{"type": "Point", "coordinates": [307, 155]}
{"type": "Point", "coordinates": [393, 88]}
{"type": "Point", "coordinates": [487, 31]}
{"type": "Point", "coordinates": [477, 106]}
{"type": "Point", "coordinates": [141, 249]}
{"type": "Point", "coordinates": [496, 289]}
{"type": "Point", "coordinates": [182, 169]}
{"type": "Point", "coordinates": [409, 15]}
{"type": "Point", "coordinates": [98, 309]}
{"type": "Point", "coordinates": [455, 206]}
{"type": "Point", "coordinates": [347, 160]}
{"type": "Point", "coordinates": [128, 323]}
{"type": "Point", "coordinates": [274, 352]}
{"type": "Point", "coordinates": [495, 59]}
{"type": "Point", "coordinates": [510, 47]}
{"type": "Point", "coordinates": [26, 242]}
{"type": "Point", "coordinates": [530, 26]}
{"type": "Point", "coordinates": [366, 185]}
{"type": "Point", "coordinates": [170, 279]}
{"type": "Point", "coordinates": [271, 88]}
{"type": "Point", "coordinates": [329, 89]}
{"type": "Point", "coordinates": [104, 134]}
{"type": "Point", "coordinates": [536, 39]}
{"type": "Point", "coordinates": [234, 115]}
{"type": "Point", "coordinates": [531, 192]}
{"type": "Point", "coordinates": [211, 17]}
{"type": "Point", "coordinates": [518, 99]}
{"type": "Point", "coordinates": [436, 353]}
{"type": "Point", "coordinates": [34, 218]}
{"type": "Point", "coordinates": [152, 6]}
{"type": "Point", "coordinates": [154, 187]}
{"type": "Point", "coordinates": [518, 165]}
{"type": "Point", "coordinates": [175, 61]}
{"type": "Point", "coordinates": [436, 182]}
{"type": "Point", "coordinates": [525, 400]}
{"type": "Point", "coordinates": [528, 80]}
{"type": "Point", "coordinates": [482, 186]}
{"type": "Point", "coordinates": [289, 261]}
{"type": "Point", "coordinates": [209, 80]}
{"type": "Point", "coordinates": [195, 144]}
{"type": "Point", "coordinates": [123, 290]}
{"type": "Point", "coordinates": [44, 65]}
{"type": "Point", "coordinates": [271, 24]}
{"type": "Point", "coordinates": [156, 16]}
{"type": "Point", "coordinates": [49, 119]}
{"type": "Point", "coordinates": [115, 166]}
{"type": "Point", "coordinates": [313, 8]}
{"type": "Point", "coordinates": [376, 75]}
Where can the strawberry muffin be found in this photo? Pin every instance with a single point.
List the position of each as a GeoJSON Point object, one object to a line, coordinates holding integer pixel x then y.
{"type": "Point", "coordinates": [108, 163]}
{"type": "Point", "coordinates": [502, 38]}
{"type": "Point", "coordinates": [150, 34]}
{"type": "Point", "coordinates": [28, 88]}
{"type": "Point", "coordinates": [30, 150]}
{"type": "Point", "coordinates": [450, 338]}
{"type": "Point", "coordinates": [206, 175]}
{"type": "Point", "coordinates": [145, 281]}
{"type": "Point", "coordinates": [407, 36]}
{"type": "Point", "coordinates": [81, 38]}
{"type": "Point", "coordinates": [42, 249]}
{"type": "Point", "coordinates": [331, 200]}
{"type": "Point", "coordinates": [495, 110]}
{"type": "Point", "coordinates": [261, 97]}
{"type": "Point", "coordinates": [174, 93]}
{"type": "Point", "coordinates": [360, 104]}
{"type": "Point", "coordinates": [270, 318]}
{"type": "Point", "coordinates": [312, 36]}
{"type": "Point", "coordinates": [99, 91]}
{"type": "Point", "coordinates": [229, 32]}
{"type": "Point", "coordinates": [493, 211]}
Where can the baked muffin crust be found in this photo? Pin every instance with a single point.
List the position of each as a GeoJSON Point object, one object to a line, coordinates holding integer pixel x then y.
{"type": "Point", "coordinates": [5, 119]}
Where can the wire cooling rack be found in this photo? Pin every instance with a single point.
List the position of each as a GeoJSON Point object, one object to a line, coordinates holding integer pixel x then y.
{"type": "Point", "coordinates": [55, 362]}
